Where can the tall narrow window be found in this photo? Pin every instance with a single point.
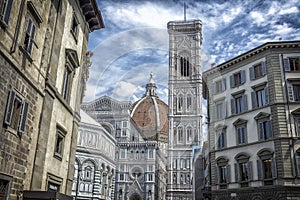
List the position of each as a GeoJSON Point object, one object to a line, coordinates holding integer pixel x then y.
{"type": "Point", "coordinates": [180, 135]}
{"type": "Point", "coordinates": [180, 103]}
{"type": "Point", "coordinates": [74, 27]}
{"type": "Point", "coordinates": [185, 67]}
{"type": "Point", "coordinates": [67, 82]}
{"type": "Point", "coordinates": [5, 8]}
{"type": "Point", "coordinates": [59, 142]}
{"type": "Point", "coordinates": [189, 135]}
{"type": "Point", "coordinates": [189, 103]}
{"type": "Point", "coordinates": [241, 131]}
{"type": "Point", "coordinates": [239, 104]}
{"type": "Point", "coordinates": [221, 138]}
{"type": "Point", "coordinates": [29, 35]}
{"type": "Point", "coordinates": [241, 135]}
{"type": "Point", "coordinates": [260, 97]}
{"type": "Point", "coordinates": [16, 113]}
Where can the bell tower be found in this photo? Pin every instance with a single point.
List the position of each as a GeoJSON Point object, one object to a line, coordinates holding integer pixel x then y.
{"type": "Point", "coordinates": [185, 111]}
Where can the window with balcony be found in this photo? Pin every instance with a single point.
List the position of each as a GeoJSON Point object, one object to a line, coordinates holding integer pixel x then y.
{"type": "Point", "coordinates": [291, 64]}
{"type": "Point", "coordinates": [5, 8]}
{"type": "Point", "coordinates": [237, 79]}
{"type": "Point", "coordinates": [257, 71]}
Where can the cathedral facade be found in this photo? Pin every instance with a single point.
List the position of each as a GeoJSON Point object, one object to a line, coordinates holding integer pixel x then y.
{"type": "Point", "coordinates": [141, 132]}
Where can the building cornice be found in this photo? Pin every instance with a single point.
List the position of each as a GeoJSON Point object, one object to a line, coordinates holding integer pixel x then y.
{"type": "Point", "coordinates": [260, 49]}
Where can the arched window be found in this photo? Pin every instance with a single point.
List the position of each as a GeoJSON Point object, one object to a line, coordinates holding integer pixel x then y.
{"type": "Point", "coordinates": [180, 103]}
{"type": "Point", "coordinates": [189, 106]}
{"type": "Point", "coordinates": [189, 135]}
{"type": "Point", "coordinates": [184, 66]}
{"type": "Point", "coordinates": [180, 135]}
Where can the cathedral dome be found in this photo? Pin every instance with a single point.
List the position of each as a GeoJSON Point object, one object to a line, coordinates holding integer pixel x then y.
{"type": "Point", "coordinates": [150, 114]}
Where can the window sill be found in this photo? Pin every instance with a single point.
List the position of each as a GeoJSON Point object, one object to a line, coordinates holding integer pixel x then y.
{"type": "Point", "coordinates": [3, 24]}
{"type": "Point", "coordinates": [26, 54]}
{"type": "Point", "coordinates": [58, 156]}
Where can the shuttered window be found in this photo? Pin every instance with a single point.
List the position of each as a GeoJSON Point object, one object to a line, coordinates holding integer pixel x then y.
{"type": "Point", "coordinates": [237, 79]}
{"type": "Point", "coordinates": [264, 127]}
{"type": "Point", "coordinates": [241, 132]}
{"type": "Point", "coordinates": [294, 91]}
{"type": "Point", "coordinates": [29, 36]}
{"type": "Point", "coordinates": [239, 104]}
{"type": "Point", "coordinates": [260, 97]}
{"type": "Point", "coordinates": [291, 64]}
{"type": "Point", "coordinates": [16, 113]}
{"type": "Point", "coordinates": [219, 86]}
{"type": "Point", "coordinates": [257, 71]}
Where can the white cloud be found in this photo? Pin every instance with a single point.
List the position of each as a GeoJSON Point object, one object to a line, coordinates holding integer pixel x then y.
{"type": "Point", "coordinates": [124, 90]}
{"type": "Point", "coordinates": [289, 11]}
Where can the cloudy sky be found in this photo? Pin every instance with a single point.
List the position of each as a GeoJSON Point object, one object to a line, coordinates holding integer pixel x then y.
{"type": "Point", "coordinates": [134, 41]}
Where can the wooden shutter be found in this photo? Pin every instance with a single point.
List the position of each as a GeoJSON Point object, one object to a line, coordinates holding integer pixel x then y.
{"type": "Point", "coordinates": [231, 81]}
{"type": "Point", "coordinates": [286, 64]}
{"type": "Point", "coordinates": [250, 170]}
{"type": "Point", "coordinates": [260, 131]}
{"type": "Point", "coordinates": [291, 93]}
{"type": "Point", "coordinates": [253, 99]}
{"type": "Point", "coordinates": [274, 170]}
{"type": "Point", "coordinates": [245, 104]}
{"type": "Point", "coordinates": [264, 68]}
{"type": "Point", "coordinates": [9, 107]}
{"type": "Point", "coordinates": [224, 84]}
{"type": "Point", "coordinates": [298, 165]}
{"type": "Point", "coordinates": [259, 170]}
{"type": "Point", "coordinates": [237, 172]}
{"type": "Point", "coordinates": [22, 124]}
{"type": "Point", "coordinates": [233, 109]}
{"type": "Point", "coordinates": [267, 97]}
{"type": "Point", "coordinates": [214, 88]}
{"type": "Point", "coordinates": [243, 76]}
{"type": "Point", "coordinates": [251, 72]}
{"type": "Point", "coordinates": [269, 124]}
{"type": "Point", "coordinates": [228, 174]}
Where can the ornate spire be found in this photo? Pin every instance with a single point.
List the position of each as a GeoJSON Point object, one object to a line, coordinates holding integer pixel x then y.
{"type": "Point", "coordinates": [151, 87]}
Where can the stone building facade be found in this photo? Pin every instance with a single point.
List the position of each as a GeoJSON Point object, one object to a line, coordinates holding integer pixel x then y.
{"type": "Point", "coordinates": [41, 49]}
{"type": "Point", "coordinates": [141, 133]}
{"type": "Point", "coordinates": [185, 108]}
{"type": "Point", "coordinates": [253, 102]}
{"type": "Point", "coordinates": [95, 166]}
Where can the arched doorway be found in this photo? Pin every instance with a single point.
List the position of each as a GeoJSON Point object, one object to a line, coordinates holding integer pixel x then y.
{"type": "Point", "coordinates": [135, 196]}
